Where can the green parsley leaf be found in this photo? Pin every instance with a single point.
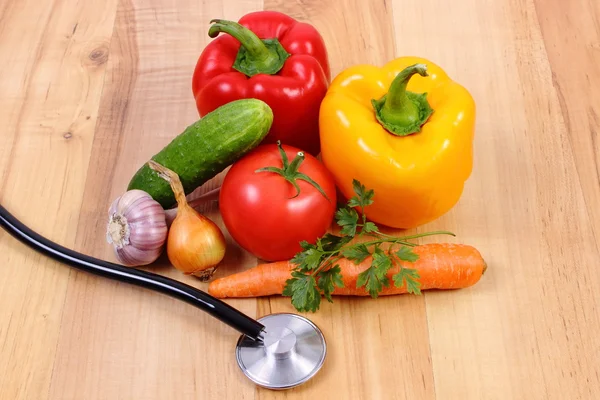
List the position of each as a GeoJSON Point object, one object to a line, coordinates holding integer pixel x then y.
{"type": "Point", "coordinates": [309, 259]}
{"type": "Point", "coordinates": [288, 289]}
{"type": "Point", "coordinates": [305, 245]}
{"type": "Point", "coordinates": [330, 242]}
{"type": "Point", "coordinates": [375, 277]}
{"type": "Point", "coordinates": [303, 290]}
{"type": "Point", "coordinates": [356, 253]}
{"type": "Point", "coordinates": [347, 218]}
{"type": "Point", "coordinates": [370, 227]}
{"type": "Point", "coordinates": [369, 280]}
{"type": "Point", "coordinates": [328, 280]}
{"type": "Point", "coordinates": [363, 196]}
{"type": "Point", "coordinates": [409, 277]}
{"type": "Point", "coordinates": [354, 202]}
{"type": "Point", "coordinates": [381, 262]}
{"type": "Point", "coordinates": [406, 253]}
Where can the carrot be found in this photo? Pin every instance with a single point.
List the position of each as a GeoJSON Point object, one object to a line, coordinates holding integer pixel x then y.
{"type": "Point", "coordinates": [440, 266]}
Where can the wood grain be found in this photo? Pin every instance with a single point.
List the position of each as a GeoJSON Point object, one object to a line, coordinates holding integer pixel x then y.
{"type": "Point", "coordinates": [90, 92]}
{"type": "Point", "coordinates": [575, 86]}
{"type": "Point", "coordinates": [51, 88]}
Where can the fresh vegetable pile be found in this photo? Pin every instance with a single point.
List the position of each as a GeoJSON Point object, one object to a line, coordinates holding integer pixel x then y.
{"type": "Point", "coordinates": [396, 150]}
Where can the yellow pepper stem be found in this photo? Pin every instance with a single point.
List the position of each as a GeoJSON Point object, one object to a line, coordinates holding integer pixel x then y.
{"type": "Point", "coordinates": [402, 112]}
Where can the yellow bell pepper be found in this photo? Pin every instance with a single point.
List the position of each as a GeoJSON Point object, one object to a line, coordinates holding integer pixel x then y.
{"type": "Point", "coordinates": [406, 131]}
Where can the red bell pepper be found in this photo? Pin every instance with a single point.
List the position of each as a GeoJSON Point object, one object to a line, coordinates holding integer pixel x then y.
{"type": "Point", "coordinates": [272, 57]}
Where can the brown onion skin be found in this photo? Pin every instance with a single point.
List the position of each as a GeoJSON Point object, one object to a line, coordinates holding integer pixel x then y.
{"type": "Point", "coordinates": [195, 244]}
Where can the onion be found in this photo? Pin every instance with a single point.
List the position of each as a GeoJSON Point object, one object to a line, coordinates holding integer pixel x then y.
{"type": "Point", "coordinates": [195, 244]}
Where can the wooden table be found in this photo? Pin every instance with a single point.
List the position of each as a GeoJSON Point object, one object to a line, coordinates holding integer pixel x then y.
{"type": "Point", "coordinates": [89, 90]}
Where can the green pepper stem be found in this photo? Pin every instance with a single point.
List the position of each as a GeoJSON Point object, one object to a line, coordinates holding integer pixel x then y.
{"type": "Point", "coordinates": [402, 112]}
{"type": "Point", "coordinates": [397, 104]}
{"type": "Point", "coordinates": [252, 43]}
{"type": "Point", "coordinates": [255, 55]}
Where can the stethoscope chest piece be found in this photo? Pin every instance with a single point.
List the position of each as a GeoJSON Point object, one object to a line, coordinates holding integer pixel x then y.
{"type": "Point", "coordinates": [292, 351]}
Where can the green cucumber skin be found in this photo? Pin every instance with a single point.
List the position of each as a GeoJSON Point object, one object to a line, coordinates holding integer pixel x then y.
{"type": "Point", "coordinates": [206, 148]}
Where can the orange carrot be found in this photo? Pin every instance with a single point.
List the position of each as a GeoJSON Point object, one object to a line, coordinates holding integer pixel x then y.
{"type": "Point", "coordinates": [440, 266]}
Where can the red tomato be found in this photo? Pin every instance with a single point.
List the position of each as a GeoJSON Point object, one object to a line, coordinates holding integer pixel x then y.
{"type": "Point", "coordinates": [259, 208]}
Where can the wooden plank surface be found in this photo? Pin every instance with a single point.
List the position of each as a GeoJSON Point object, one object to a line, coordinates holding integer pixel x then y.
{"type": "Point", "coordinates": [89, 92]}
{"type": "Point", "coordinates": [50, 91]}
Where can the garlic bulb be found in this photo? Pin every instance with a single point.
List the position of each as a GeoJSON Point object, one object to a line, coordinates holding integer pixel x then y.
{"type": "Point", "coordinates": [137, 228]}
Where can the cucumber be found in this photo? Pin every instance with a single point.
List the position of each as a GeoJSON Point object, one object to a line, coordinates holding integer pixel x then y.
{"type": "Point", "coordinates": [206, 148]}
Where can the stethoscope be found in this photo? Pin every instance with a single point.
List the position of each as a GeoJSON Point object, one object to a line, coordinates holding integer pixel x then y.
{"type": "Point", "coordinates": [278, 351]}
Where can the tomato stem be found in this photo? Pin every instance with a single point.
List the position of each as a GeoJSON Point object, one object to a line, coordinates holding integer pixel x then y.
{"type": "Point", "coordinates": [290, 173]}
{"type": "Point", "coordinates": [293, 167]}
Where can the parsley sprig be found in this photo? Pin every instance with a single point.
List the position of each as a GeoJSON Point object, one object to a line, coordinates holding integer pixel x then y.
{"type": "Point", "coordinates": [317, 273]}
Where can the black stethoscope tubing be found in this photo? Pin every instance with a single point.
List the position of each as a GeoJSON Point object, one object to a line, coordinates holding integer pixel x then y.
{"type": "Point", "coordinates": [213, 306]}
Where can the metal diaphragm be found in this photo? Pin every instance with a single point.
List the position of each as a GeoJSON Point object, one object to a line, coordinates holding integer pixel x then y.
{"type": "Point", "coordinates": [292, 351]}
